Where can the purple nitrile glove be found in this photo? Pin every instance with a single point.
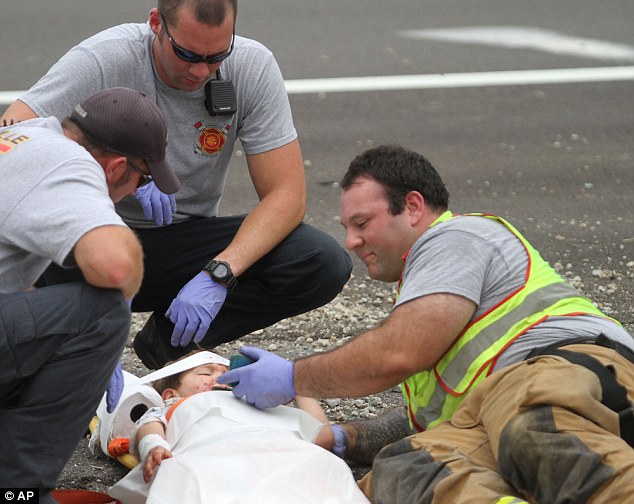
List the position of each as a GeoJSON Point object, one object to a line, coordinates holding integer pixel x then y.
{"type": "Point", "coordinates": [341, 440]}
{"type": "Point", "coordinates": [194, 308]}
{"type": "Point", "coordinates": [266, 383]}
{"type": "Point", "coordinates": [115, 388]}
{"type": "Point", "coordinates": [156, 205]}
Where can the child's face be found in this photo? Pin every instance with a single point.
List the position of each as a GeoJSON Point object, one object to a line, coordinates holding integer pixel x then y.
{"type": "Point", "coordinates": [201, 379]}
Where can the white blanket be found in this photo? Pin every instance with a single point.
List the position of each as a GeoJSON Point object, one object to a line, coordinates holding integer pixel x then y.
{"type": "Point", "coordinates": [226, 451]}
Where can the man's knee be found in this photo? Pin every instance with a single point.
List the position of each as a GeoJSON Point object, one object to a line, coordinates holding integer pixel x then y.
{"type": "Point", "coordinates": [106, 312]}
{"type": "Point", "coordinates": [326, 254]}
{"type": "Point", "coordinates": [551, 466]}
{"type": "Point", "coordinates": [314, 265]}
{"type": "Point", "coordinates": [334, 257]}
{"type": "Point", "coordinates": [402, 474]}
{"type": "Point", "coordinates": [92, 319]}
{"type": "Point", "coordinates": [60, 319]}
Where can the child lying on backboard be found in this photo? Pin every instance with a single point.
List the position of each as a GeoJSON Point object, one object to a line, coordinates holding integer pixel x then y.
{"type": "Point", "coordinates": [205, 446]}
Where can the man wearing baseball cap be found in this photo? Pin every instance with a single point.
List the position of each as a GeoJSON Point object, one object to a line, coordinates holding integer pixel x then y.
{"type": "Point", "coordinates": [128, 123]}
{"type": "Point", "coordinates": [60, 344]}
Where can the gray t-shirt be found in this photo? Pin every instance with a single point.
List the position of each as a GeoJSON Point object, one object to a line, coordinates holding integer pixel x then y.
{"type": "Point", "coordinates": [481, 260]}
{"type": "Point", "coordinates": [52, 193]}
{"type": "Point", "coordinates": [199, 145]}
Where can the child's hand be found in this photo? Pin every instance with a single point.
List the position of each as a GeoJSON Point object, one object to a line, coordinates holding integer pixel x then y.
{"type": "Point", "coordinates": [153, 460]}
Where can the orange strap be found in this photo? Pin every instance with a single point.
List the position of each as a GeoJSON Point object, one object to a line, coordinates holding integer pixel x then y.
{"type": "Point", "coordinates": [118, 447]}
{"type": "Point", "coordinates": [169, 414]}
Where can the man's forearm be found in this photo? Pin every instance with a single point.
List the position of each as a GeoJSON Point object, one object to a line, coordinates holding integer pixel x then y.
{"type": "Point", "coordinates": [367, 364]}
{"type": "Point", "coordinates": [279, 181]}
{"type": "Point", "coordinates": [367, 437]}
{"type": "Point", "coordinates": [268, 224]}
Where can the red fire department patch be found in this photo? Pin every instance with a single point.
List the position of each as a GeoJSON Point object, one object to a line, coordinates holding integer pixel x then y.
{"type": "Point", "coordinates": [211, 138]}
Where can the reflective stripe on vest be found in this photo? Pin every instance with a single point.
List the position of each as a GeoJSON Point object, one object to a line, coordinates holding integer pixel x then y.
{"type": "Point", "coordinates": [432, 396]}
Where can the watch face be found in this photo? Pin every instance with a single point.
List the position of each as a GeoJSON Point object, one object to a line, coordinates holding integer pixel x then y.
{"type": "Point", "coordinates": [221, 271]}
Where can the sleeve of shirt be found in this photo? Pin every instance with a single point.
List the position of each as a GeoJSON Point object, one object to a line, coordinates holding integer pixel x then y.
{"type": "Point", "coordinates": [266, 121]}
{"type": "Point", "coordinates": [447, 261]}
{"type": "Point", "coordinates": [117, 56]}
{"type": "Point", "coordinates": [68, 203]}
{"type": "Point", "coordinates": [74, 77]}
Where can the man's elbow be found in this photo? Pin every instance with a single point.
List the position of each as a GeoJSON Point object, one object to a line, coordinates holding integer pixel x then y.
{"type": "Point", "coordinates": [295, 199]}
{"type": "Point", "coordinates": [300, 211]}
{"type": "Point", "coordinates": [124, 273]}
{"type": "Point", "coordinates": [401, 366]}
{"type": "Point", "coordinates": [111, 257]}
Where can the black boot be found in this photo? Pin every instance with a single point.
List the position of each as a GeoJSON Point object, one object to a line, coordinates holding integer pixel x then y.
{"type": "Point", "coordinates": [152, 343]}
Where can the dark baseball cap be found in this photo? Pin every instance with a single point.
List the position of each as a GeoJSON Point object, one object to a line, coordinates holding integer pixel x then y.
{"type": "Point", "coordinates": [127, 121]}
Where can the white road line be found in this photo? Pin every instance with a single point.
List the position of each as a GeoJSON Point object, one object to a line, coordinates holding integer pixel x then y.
{"type": "Point", "coordinates": [440, 81]}
{"type": "Point", "coordinates": [8, 97]}
{"type": "Point", "coordinates": [526, 37]}
{"type": "Point", "coordinates": [453, 80]}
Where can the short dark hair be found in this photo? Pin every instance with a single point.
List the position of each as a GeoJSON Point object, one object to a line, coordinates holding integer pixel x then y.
{"type": "Point", "coordinates": [209, 12]}
{"type": "Point", "coordinates": [399, 171]}
{"type": "Point", "coordinates": [85, 139]}
{"type": "Point", "coordinates": [172, 381]}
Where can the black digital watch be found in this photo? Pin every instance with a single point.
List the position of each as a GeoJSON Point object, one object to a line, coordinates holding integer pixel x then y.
{"type": "Point", "coordinates": [220, 272]}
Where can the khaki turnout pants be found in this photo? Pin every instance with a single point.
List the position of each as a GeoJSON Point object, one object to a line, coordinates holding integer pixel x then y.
{"type": "Point", "coordinates": [535, 431]}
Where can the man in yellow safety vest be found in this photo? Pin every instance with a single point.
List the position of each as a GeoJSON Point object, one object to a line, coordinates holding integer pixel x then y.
{"type": "Point", "coordinates": [516, 386]}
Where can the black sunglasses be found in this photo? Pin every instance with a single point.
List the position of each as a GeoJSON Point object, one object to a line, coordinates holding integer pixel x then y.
{"type": "Point", "coordinates": [145, 178]}
{"type": "Point", "coordinates": [192, 57]}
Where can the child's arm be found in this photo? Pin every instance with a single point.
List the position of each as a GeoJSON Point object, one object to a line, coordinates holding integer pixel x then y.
{"type": "Point", "coordinates": [153, 447]}
{"type": "Point", "coordinates": [325, 438]}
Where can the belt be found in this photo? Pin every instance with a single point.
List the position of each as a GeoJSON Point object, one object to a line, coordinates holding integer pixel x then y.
{"type": "Point", "coordinates": [614, 394]}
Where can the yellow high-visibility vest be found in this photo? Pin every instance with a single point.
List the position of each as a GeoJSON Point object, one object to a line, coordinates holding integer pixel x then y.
{"type": "Point", "coordinates": [432, 396]}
